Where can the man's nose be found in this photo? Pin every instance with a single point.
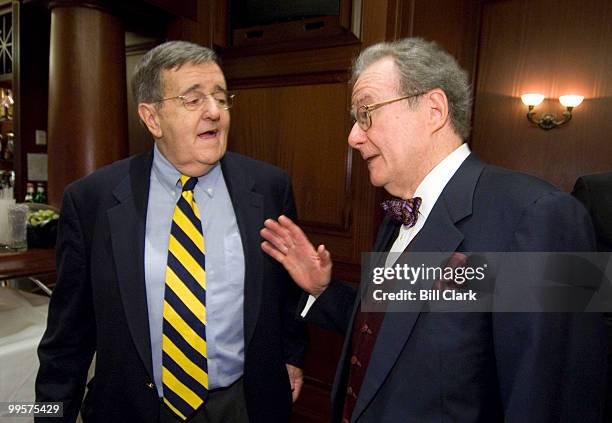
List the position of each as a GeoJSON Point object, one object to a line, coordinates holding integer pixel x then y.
{"type": "Point", "coordinates": [211, 109]}
{"type": "Point", "coordinates": [357, 136]}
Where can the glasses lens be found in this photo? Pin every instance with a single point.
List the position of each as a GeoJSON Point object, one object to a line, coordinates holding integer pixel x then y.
{"type": "Point", "coordinates": [223, 99]}
{"type": "Point", "coordinates": [363, 118]}
{"type": "Point", "coordinates": [193, 101]}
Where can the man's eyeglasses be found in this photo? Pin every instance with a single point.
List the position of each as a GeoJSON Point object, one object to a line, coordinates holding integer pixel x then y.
{"type": "Point", "coordinates": [196, 100]}
{"type": "Point", "coordinates": [363, 115]}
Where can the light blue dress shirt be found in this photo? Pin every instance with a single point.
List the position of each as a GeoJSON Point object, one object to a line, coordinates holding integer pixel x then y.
{"type": "Point", "coordinates": [224, 269]}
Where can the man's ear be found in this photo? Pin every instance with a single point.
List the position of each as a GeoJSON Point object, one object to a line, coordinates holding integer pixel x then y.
{"type": "Point", "coordinates": [437, 110]}
{"type": "Point", "coordinates": [149, 115]}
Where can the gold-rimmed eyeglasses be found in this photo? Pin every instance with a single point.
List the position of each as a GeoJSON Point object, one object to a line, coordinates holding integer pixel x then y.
{"type": "Point", "coordinates": [196, 100]}
{"type": "Point", "coordinates": [363, 115]}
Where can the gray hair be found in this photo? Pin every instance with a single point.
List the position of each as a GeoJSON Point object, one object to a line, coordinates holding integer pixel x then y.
{"type": "Point", "coordinates": [147, 81]}
{"type": "Point", "coordinates": [423, 66]}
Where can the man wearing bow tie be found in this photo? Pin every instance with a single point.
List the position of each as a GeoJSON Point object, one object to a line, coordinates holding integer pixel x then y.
{"type": "Point", "coordinates": [412, 104]}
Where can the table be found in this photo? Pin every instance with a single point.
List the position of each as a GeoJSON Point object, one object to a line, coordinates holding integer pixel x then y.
{"type": "Point", "coordinates": [27, 263]}
{"type": "Point", "coordinates": [23, 319]}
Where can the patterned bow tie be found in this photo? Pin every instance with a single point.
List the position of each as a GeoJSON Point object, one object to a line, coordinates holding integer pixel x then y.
{"type": "Point", "coordinates": [403, 211]}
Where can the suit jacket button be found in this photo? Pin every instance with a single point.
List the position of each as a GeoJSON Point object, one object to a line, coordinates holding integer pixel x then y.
{"type": "Point", "coordinates": [151, 385]}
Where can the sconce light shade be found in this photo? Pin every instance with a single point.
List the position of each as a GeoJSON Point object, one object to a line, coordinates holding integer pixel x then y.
{"type": "Point", "coordinates": [549, 120]}
{"type": "Point", "coordinates": [571, 100]}
{"type": "Point", "coordinates": [532, 99]}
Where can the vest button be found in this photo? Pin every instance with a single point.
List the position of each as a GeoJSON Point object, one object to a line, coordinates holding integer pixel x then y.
{"type": "Point", "coordinates": [366, 329]}
{"type": "Point", "coordinates": [151, 385]}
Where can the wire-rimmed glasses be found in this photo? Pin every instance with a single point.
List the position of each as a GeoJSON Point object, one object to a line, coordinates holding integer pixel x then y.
{"type": "Point", "coordinates": [363, 115]}
{"type": "Point", "coordinates": [195, 100]}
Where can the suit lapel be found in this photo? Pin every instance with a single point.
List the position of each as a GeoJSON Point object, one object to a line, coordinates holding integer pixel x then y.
{"type": "Point", "coordinates": [127, 221]}
{"type": "Point", "coordinates": [439, 234]}
{"type": "Point", "coordinates": [248, 207]}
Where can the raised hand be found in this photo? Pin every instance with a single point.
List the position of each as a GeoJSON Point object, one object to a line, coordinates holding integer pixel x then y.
{"type": "Point", "coordinates": [287, 244]}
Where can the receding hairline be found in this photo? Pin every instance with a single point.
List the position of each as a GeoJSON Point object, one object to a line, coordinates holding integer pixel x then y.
{"type": "Point", "coordinates": [397, 83]}
{"type": "Point", "coordinates": [164, 70]}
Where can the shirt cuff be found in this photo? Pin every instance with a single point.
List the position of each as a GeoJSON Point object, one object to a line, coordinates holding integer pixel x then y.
{"type": "Point", "coordinates": [308, 305]}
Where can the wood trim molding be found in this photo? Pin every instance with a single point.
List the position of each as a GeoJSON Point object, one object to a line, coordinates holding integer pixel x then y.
{"type": "Point", "coordinates": [334, 60]}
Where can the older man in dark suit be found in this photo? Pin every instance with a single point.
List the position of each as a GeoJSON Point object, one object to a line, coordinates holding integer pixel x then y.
{"type": "Point", "coordinates": [595, 192]}
{"type": "Point", "coordinates": [160, 273]}
{"type": "Point", "coordinates": [411, 103]}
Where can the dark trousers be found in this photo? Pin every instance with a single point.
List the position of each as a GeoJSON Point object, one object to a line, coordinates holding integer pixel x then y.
{"type": "Point", "coordinates": [223, 405]}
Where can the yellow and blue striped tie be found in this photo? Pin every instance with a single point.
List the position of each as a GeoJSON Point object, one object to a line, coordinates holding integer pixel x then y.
{"type": "Point", "coordinates": [184, 359]}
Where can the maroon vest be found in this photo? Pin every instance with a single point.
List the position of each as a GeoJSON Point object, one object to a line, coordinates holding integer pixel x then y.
{"type": "Point", "coordinates": [364, 333]}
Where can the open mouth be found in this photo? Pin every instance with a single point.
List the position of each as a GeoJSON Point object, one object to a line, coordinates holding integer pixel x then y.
{"type": "Point", "coordinates": [208, 134]}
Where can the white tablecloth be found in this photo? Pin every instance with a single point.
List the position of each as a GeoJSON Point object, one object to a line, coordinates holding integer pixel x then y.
{"type": "Point", "coordinates": [23, 318]}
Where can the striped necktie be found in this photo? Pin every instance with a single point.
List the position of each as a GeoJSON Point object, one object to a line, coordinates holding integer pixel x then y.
{"type": "Point", "coordinates": [184, 359]}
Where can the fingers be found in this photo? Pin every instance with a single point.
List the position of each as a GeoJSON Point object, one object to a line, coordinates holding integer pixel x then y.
{"type": "Point", "coordinates": [295, 392]}
{"type": "Point", "coordinates": [296, 380]}
{"type": "Point", "coordinates": [294, 230]}
{"type": "Point", "coordinates": [275, 228]}
{"type": "Point", "coordinates": [324, 255]}
{"type": "Point", "coordinates": [275, 240]}
{"type": "Point", "coordinates": [278, 236]}
{"type": "Point", "coordinates": [273, 252]}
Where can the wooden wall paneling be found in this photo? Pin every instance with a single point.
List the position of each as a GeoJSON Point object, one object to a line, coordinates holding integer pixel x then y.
{"type": "Point", "coordinates": [552, 47]}
{"type": "Point", "coordinates": [200, 30]}
{"type": "Point", "coordinates": [220, 21]}
{"type": "Point", "coordinates": [454, 24]}
{"type": "Point", "coordinates": [186, 8]}
{"type": "Point", "coordinates": [302, 129]}
{"type": "Point", "coordinates": [300, 66]}
{"type": "Point", "coordinates": [378, 21]}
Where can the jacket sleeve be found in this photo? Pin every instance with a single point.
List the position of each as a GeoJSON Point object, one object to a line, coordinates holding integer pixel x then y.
{"type": "Point", "coordinates": [551, 366]}
{"type": "Point", "coordinates": [333, 308]}
{"type": "Point", "coordinates": [67, 346]}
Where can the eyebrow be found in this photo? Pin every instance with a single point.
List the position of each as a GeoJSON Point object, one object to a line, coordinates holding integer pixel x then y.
{"type": "Point", "coordinates": [197, 87]}
{"type": "Point", "coordinates": [363, 99]}
{"type": "Point", "coordinates": [194, 87]}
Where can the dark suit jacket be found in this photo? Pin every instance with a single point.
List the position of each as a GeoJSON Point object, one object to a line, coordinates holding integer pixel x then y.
{"type": "Point", "coordinates": [479, 367]}
{"type": "Point", "coordinates": [595, 192]}
{"type": "Point", "coordinates": [99, 303]}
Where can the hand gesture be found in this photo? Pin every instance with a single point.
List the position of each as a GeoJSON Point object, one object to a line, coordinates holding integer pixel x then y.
{"type": "Point", "coordinates": [287, 244]}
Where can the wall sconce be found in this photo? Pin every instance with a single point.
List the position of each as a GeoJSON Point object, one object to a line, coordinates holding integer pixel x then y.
{"type": "Point", "coordinates": [549, 120]}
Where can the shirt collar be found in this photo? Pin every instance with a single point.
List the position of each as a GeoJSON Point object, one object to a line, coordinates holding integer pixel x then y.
{"type": "Point", "coordinates": [168, 176]}
{"type": "Point", "coordinates": [433, 184]}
